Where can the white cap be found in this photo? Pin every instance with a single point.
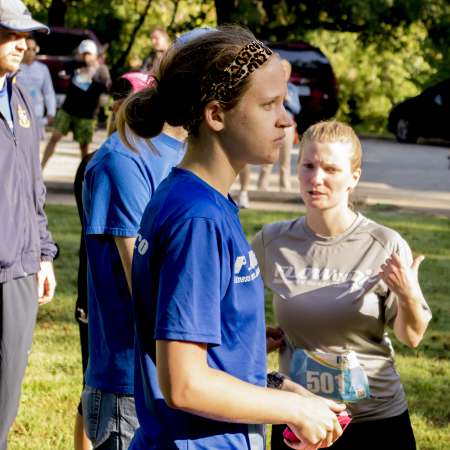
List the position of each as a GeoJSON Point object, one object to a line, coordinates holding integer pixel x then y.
{"type": "Point", "coordinates": [88, 46]}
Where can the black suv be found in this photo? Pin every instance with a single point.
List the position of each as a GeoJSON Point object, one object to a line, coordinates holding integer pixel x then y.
{"type": "Point", "coordinates": [426, 115]}
{"type": "Point", "coordinates": [313, 76]}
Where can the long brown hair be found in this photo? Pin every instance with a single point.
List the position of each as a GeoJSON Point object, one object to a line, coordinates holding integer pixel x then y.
{"type": "Point", "coordinates": [177, 96]}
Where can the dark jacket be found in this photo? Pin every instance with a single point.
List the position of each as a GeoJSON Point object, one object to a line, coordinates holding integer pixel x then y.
{"type": "Point", "coordinates": [24, 238]}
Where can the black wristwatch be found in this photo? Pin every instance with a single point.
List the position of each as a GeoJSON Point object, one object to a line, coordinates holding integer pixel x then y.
{"type": "Point", "coordinates": [275, 380]}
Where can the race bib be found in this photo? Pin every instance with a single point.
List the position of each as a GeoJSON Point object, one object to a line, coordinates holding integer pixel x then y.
{"type": "Point", "coordinates": [339, 377]}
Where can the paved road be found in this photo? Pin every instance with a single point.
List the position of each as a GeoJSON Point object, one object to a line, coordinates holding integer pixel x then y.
{"type": "Point", "coordinates": [406, 166]}
{"type": "Point", "coordinates": [415, 176]}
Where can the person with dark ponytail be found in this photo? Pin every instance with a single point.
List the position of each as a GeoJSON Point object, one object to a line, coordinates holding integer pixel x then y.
{"type": "Point", "coordinates": [117, 186]}
{"type": "Point", "coordinates": [200, 375]}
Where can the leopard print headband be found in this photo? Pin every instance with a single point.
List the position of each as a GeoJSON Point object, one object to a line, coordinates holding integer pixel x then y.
{"type": "Point", "coordinates": [220, 86]}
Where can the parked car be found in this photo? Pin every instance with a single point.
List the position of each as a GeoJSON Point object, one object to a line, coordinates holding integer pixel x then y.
{"type": "Point", "coordinates": [58, 50]}
{"type": "Point", "coordinates": [426, 115]}
{"type": "Point", "coordinates": [314, 78]}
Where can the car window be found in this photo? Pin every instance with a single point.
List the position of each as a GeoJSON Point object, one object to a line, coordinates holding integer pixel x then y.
{"type": "Point", "coordinates": [310, 69]}
{"type": "Point", "coordinates": [59, 44]}
{"type": "Point", "coordinates": [309, 58]}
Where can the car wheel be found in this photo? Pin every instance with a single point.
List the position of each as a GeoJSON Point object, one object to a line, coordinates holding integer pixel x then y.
{"type": "Point", "coordinates": [404, 132]}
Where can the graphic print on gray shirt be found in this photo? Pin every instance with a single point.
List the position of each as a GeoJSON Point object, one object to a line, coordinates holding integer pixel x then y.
{"type": "Point", "coordinates": [328, 296]}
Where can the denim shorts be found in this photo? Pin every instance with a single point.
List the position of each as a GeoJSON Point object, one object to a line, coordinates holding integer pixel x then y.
{"type": "Point", "coordinates": [109, 419]}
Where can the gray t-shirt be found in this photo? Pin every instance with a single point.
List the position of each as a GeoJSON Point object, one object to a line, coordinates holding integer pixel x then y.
{"type": "Point", "coordinates": [328, 296]}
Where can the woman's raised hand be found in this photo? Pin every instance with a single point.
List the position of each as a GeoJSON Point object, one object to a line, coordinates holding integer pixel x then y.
{"type": "Point", "coordinates": [402, 279]}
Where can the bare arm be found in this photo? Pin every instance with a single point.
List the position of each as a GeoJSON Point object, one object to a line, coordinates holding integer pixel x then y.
{"type": "Point", "coordinates": [46, 282]}
{"type": "Point", "coordinates": [189, 384]}
{"type": "Point", "coordinates": [125, 246]}
{"type": "Point", "coordinates": [412, 320]}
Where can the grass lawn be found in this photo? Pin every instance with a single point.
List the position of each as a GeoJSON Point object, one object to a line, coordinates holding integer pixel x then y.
{"type": "Point", "coordinates": [53, 380]}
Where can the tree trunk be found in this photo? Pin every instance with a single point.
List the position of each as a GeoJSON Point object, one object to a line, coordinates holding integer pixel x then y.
{"type": "Point", "coordinates": [174, 14]}
{"type": "Point", "coordinates": [225, 11]}
{"type": "Point", "coordinates": [57, 13]}
{"type": "Point", "coordinates": [123, 57]}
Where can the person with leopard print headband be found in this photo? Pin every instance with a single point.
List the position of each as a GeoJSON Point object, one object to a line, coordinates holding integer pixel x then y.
{"type": "Point", "coordinates": [197, 292]}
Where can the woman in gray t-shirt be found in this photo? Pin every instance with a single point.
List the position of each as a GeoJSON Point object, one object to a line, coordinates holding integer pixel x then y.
{"type": "Point", "coordinates": [338, 280]}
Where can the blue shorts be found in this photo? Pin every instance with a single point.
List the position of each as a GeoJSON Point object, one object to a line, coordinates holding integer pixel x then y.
{"type": "Point", "coordinates": [109, 419]}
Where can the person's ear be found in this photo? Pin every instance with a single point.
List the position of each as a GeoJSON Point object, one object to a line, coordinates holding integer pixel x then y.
{"type": "Point", "coordinates": [38, 49]}
{"type": "Point", "coordinates": [356, 175]}
{"type": "Point", "coordinates": [214, 116]}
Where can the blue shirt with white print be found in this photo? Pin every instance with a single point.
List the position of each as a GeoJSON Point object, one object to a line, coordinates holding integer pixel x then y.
{"type": "Point", "coordinates": [195, 279]}
{"type": "Point", "coordinates": [117, 187]}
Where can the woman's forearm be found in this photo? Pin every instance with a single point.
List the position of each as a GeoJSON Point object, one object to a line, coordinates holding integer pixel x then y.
{"type": "Point", "coordinates": [217, 395]}
{"type": "Point", "coordinates": [189, 384]}
{"type": "Point", "coordinates": [411, 321]}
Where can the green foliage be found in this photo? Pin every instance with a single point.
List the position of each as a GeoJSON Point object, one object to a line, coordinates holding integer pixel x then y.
{"type": "Point", "coordinates": [382, 51]}
{"type": "Point", "coordinates": [372, 77]}
{"type": "Point", "coordinates": [38, 8]}
{"type": "Point", "coordinates": [113, 21]}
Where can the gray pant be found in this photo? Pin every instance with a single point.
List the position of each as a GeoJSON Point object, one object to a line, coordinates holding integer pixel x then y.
{"type": "Point", "coordinates": [18, 309]}
{"type": "Point", "coordinates": [110, 420]}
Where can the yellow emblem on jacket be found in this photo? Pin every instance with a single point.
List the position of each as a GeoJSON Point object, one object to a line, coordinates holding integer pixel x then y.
{"type": "Point", "coordinates": [24, 121]}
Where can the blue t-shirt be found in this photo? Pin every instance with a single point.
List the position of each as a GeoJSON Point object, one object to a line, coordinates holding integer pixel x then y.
{"type": "Point", "coordinates": [195, 278]}
{"type": "Point", "coordinates": [292, 101]}
{"type": "Point", "coordinates": [117, 187]}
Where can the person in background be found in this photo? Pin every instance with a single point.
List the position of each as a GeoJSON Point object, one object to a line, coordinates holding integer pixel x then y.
{"type": "Point", "coordinates": [292, 105]}
{"type": "Point", "coordinates": [200, 374]}
{"type": "Point", "coordinates": [80, 108]}
{"type": "Point", "coordinates": [26, 246]}
{"type": "Point", "coordinates": [35, 78]}
{"type": "Point", "coordinates": [121, 87]}
{"type": "Point", "coordinates": [160, 42]}
{"type": "Point", "coordinates": [81, 442]}
{"type": "Point", "coordinates": [338, 281]}
{"type": "Point", "coordinates": [117, 186]}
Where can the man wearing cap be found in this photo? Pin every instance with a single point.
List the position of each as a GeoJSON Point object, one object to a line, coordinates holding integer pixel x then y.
{"type": "Point", "coordinates": [35, 77]}
{"type": "Point", "coordinates": [26, 247]}
{"type": "Point", "coordinates": [80, 108]}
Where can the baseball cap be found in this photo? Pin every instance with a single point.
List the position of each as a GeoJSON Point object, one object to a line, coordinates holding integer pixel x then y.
{"type": "Point", "coordinates": [87, 46]}
{"type": "Point", "coordinates": [14, 15]}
